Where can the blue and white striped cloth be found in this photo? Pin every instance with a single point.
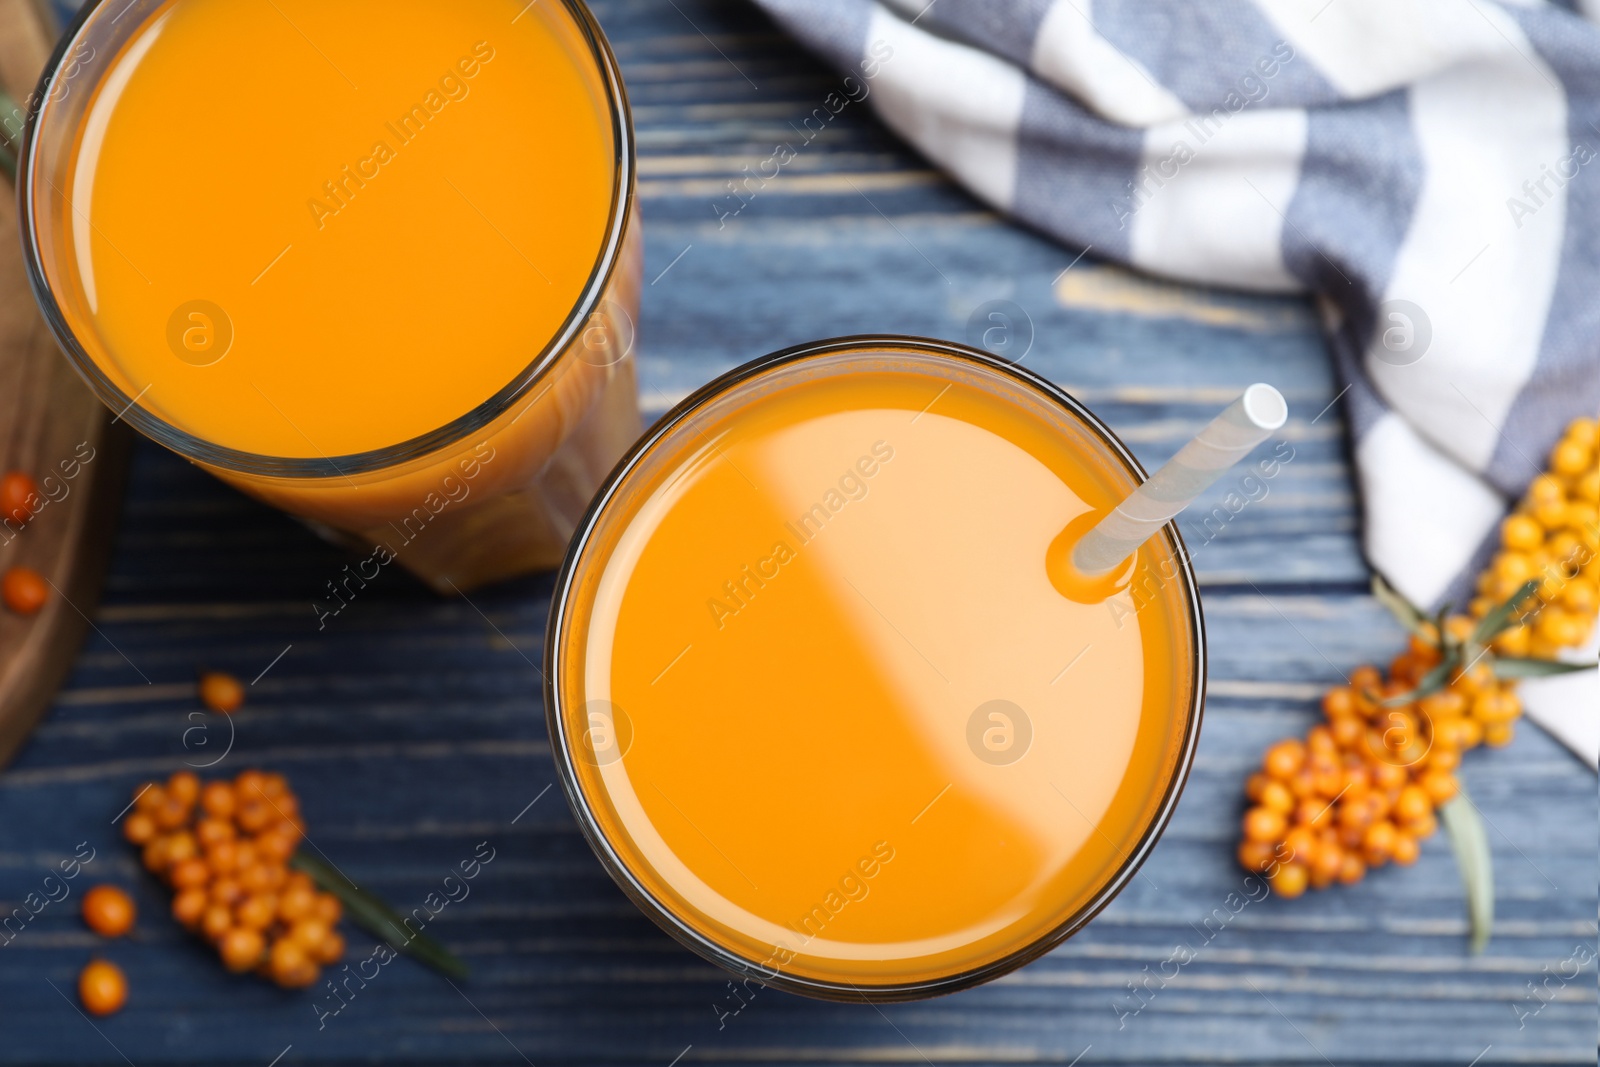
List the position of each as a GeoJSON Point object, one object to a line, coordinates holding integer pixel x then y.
{"type": "Point", "coordinates": [1429, 169]}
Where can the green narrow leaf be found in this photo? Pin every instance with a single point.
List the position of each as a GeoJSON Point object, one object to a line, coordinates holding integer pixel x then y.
{"type": "Point", "coordinates": [1405, 612]}
{"type": "Point", "coordinates": [1427, 685]}
{"type": "Point", "coordinates": [1500, 618]}
{"type": "Point", "coordinates": [1519, 667]}
{"type": "Point", "coordinates": [1471, 846]}
{"type": "Point", "coordinates": [375, 915]}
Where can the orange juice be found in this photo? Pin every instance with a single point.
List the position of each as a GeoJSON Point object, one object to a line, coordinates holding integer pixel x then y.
{"type": "Point", "coordinates": [338, 240]}
{"type": "Point", "coordinates": [815, 698]}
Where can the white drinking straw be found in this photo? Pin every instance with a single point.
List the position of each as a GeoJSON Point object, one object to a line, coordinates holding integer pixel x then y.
{"type": "Point", "coordinates": [1231, 435]}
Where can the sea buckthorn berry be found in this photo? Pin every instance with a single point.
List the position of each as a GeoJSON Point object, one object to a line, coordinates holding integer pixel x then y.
{"type": "Point", "coordinates": [1365, 677]}
{"type": "Point", "coordinates": [172, 814]}
{"type": "Point", "coordinates": [1513, 642]}
{"type": "Point", "coordinates": [211, 832]}
{"type": "Point", "coordinates": [1445, 704]}
{"type": "Point", "coordinates": [149, 796]}
{"type": "Point", "coordinates": [248, 784]}
{"type": "Point", "coordinates": [1263, 824]}
{"type": "Point", "coordinates": [190, 874]}
{"type": "Point", "coordinates": [108, 911]}
{"type": "Point", "coordinates": [254, 815]}
{"type": "Point", "coordinates": [227, 891]}
{"type": "Point", "coordinates": [1255, 784]}
{"type": "Point", "coordinates": [256, 911]}
{"type": "Point", "coordinates": [1570, 459]}
{"type": "Point", "coordinates": [331, 950]}
{"type": "Point", "coordinates": [1380, 838]}
{"type": "Point", "coordinates": [1327, 862]}
{"type": "Point", "coordinates": [1550, 513]}
{"type": "Point", "coordinates": [1580, 597]}
{"type": "Point", "coordinates": [241, 948]}
{"type": "Point", "coordinates": [1289, 880]}
{"type": "Point", "coordinates": [1561, 628]}
{"type": "Point", "coordinates": [223, 857]}
{"type": "Point", "coordinates": [19, 498]}
{"type": "Point", "coordinates": [291, 966]}
{"type": "Point", "coordinates": [1276, 797]}
{"type": "Point", "coordinates": [154, 855]}
{"type": "Point", "coordinates": [1497, 735]}
{"type": "Point", "coordinates": [1303, 783]}
{"type": "Point", "coordinates": [1413, 804]}
{"type": "Point", "coordinates": [24, 590]}
{"type": "Point", "coordinates": [1521, 534]}
{"type": "Point", "coordinates": [139, 828]}
{"type": "Point", "coordinates": [220, 692]}
{"type": "Point", "coordinates": [217, 798]}
{"type": "Point", "coordinates": [328, 908]}
{"type": "Point", "coordinates": [1347, 731]}
{"type": "Point", "coordinates": [309, 932]}
{"type": "Point", "coordinates": [1339, 700]}
{"type": "Point", "coordinates": [1284, 759]}
{"type": "Point", "coordinates": [274, 785]}
{"type": "Point", "coordinates": [297, 901]}
{"type": "Point", "coordinates": [184, 787]}
{"type": "Point", "coordinates": [1423, 827]}
{"type": "Point", "coordinates": [1253, 856]}
{"type": "Point", "coordinates": [1351, 869]}
{"type": "Point", "coordinates": [181, 846]}
{"type": "Point", "coordinates": [189, 907]}
{"type": "Point", "coordinates": [278, 843]}
{"type": "Point", "coordinates": [1387, 776]}
{"type": "Point", "coordinates": [1315, 812]}
{"type": "Point", "coordinates": [1443, 758]}
{"type": "Point", "coordinates": [1300, 845]}
{"type": "Point", "coordinates": [1404, 850]}
{"type": "Point", "coordinates": [102, 988]}
{"type": "Point", "coordinates": [216, 921]}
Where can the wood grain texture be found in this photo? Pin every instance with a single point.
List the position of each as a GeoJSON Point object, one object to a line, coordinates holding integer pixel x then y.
{"type": "Point", "coordinates": [413, 729]}
{"type": "Point", "coordinates": [52, 427]}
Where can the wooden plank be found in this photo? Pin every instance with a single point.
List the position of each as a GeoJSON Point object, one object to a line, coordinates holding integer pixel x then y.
{"type": "Point", "coordinates": [53, 429]}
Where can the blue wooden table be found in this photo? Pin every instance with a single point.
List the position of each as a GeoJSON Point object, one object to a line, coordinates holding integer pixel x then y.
{"type": "Point", "coordinates": [413, 730]}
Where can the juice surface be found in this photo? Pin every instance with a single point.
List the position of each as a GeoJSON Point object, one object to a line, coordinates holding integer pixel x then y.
{"type": "Point", "coordinates": [826, 705]}
{"type": "Point", "coordinates": [381, 209]}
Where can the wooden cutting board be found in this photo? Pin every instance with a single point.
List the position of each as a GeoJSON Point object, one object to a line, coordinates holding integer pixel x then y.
{"type": "Point", "coordinates": [49, 422]}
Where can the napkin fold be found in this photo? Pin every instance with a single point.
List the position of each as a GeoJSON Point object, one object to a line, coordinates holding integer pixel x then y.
{"type": "Point", "coordinates": [1430, 172]}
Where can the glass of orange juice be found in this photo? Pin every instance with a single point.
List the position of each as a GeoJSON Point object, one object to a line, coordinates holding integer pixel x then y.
{"type": "Point", "coordinates": [375, 262]}
{"type": "Point", "coordinates": [814, 699]}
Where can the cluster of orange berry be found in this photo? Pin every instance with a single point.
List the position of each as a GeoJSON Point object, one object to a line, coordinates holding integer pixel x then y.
{"type": "Point", "coordinates": [1361, 789]}
{"type": "Point", "coordinates": [224, 849]}
{"type": "Point", "coordinates": [1554, 538]}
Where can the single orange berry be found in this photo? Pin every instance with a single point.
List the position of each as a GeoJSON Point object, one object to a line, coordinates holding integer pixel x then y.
{"type": "Point", "coordinates": [19, 498]}
{"type": "Point", "coordinates": [217, 798]}
{"type": "Point", "coordinates": [1314, 812]}
{"type": "Point", "coordinates": [309, 932]}
{"type": "Point", "coordinates": [222, 693]}
{"type": "Point", "coordinates": [1521, 533]}
{"type": "Point", "coordinates": [1255, 855]}
{"type": "Point", "coordinates": [189, 907]}
{"type": "Point", "coordinates": [211, 832]}
{"type": "Point", "coordinates": [108, 911]}
{"type": "Point", "coordinates": [1289, 880]}
{"type": "Point", "coordinates": [1413, 804]}
{"type": "Point", "coordinates": [256, 911]}
{"type": "Point", "coordinates": [102, 988]}
{"type": "Point", "coordinates": [1340, 700]}
{"type": "Point", "coordinates": [1263, 824]}
{"type": "Point", "coordinates": [1439, 783]}
{"type": "Point", "coordinates": [298, 901]}
{"type": "Point", "coordinates": [181, 846]}
{"type": "Point", "coordinates": [290, 964]}
{"type": "Point", "coordinates": [1284, 759]}
{"type": "Point", "coordinates": [241, 948]}
{"type": "Point", "coordinates": [328, 908]}
{"type": "Point", "coordinates": [184, 787]}
{"type": "Point", "coordinates": [1404, 851]}
{"type": "Point", "coordinates": [227, 892]}
{"type": "Point", "coordinates": [1327, 862]}
{"type": "Point", "coordinates": [331, 950]}
{"type": "Point", "coordinates": [1380, 838]}
{"type": "Point", "coordinates": [24, 590]}
{"type": "Point", "coordinates": [1276, 797]}
{"type": "Point", "coordinates": [1352, 870]}
{"type": "Point", "coordinates": [190, 874]}
{"type": "Point", "coordinates": [139, 828]}
{"type": "Point", "coordinates": [216, 921]}
{"type": "Point", "coordinates": [172, 814]}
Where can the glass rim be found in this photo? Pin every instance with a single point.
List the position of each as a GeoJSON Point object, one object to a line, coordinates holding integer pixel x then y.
{"type": "Point", "coordinates": [239, 461]}
{"type": "Point", "coordinates": [701, 944]}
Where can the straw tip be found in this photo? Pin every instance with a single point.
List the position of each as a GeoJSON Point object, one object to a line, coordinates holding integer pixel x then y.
{"type": "Point", "coordinates": [1265, 406]}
